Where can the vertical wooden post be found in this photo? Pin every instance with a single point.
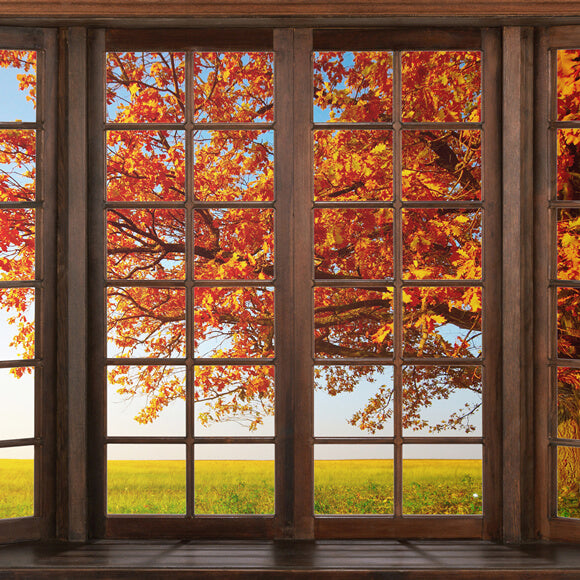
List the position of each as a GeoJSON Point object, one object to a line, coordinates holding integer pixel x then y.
{"type": "Point", "coordinates": [517, 283]}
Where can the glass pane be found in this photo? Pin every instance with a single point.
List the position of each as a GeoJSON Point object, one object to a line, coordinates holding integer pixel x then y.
{"type": "Point", "coordinates": [353, 243]}
{"type": "Point", "coordinates": [568, 473]}
{"type": "Point", "coordinates": [441, 86]}
{"type": "Point", "coordinates": [16, 323]}
{"type": "Point", "coordinates": [353, 165]}
{"type": "Point", "coordinates": [234, 165]}
{"type": "Point", "coordinates": [568, 85]}
{"type": "Point", "coordinates": [442, 322]}
{"type": "Point", "coordinates": [569, 403]}
{"type": "Point", "coordinates": [145, 166]}
{"type": "Point", "coordinates": [234, 400]}
{"type": "Point", "coordinates": [353, 86]}
{"type": "Point", "coordinates": [145, 87]}
{"type": "Point", "coordinates": [234, 322]}
{"type": "Point", "coordinates": [146, 479]}
{"type": "Point", "coordinates": [16, 482]}
{"type": "Point", "coordinates": [569, 244]}
{"type": "Point", "coordinates": [146, 400]}
{"type": "Point", "coordinates": [568, 323]}
{"type": "Point", "coordinates": [568, 178]}
{"type": "Point", "coordinates": [442, 479]}
{"type": "Point", "coordinates": [236, 244]}
{"type": "Point", "coordinates": [17, 255]}
{"type": "Point", "coordinates": [442, 400]}
{"type": "Point", "coordinates": [441, 165]}
{"type": "Point", "coordinates": [17, 411]}
{"type": "Point", "coordinates": [353, 401]}
{"type": "Point", "coordinates": [442, 244]}
{"type": "Point", "coordinates": [146, 244]}
{"type": "Point", "coordinates": [18, 82]}
{"type": "Point", "coordinates": [146, 322]}
{"type": "Point", "coordinates": [17, 164]}
{"type": "Point", "coordinates": [353, 322]}
{"type": "Point", "coordinates": [353, 479]}
{"type": "Point", "coordinates": [234, 479]}
{"type": "Point", "coordinates": [233, 87]}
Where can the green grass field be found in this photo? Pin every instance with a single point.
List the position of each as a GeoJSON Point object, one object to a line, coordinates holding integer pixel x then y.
{"type": "Point", "coordinates": [16, 488]}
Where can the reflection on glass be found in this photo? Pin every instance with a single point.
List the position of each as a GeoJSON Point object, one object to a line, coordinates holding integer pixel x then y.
{"type": "Point", "coordinates": [235, 244]}
{"type": "Point", "coordinates": [568, 177]}
{"type": "Point", "coordinates": [146, 244]}
{"type": "Point", "coordinates": [568, 475]}
{"type": "Point", "coordinates": [569, 403]}
{"type": "Point", "coordinates": [17, 323]}
{"type": "Point", "coordinates": [353, 479]}
{"type": "Point", "coordinates": [233, 87]}
{"type": "Point", "coordinates": [441, 165]}
{"type": "Point", "coordinates": [234, 165]}
{"type": "Point", "coordinates": [442, 322]}
{"type": "Point", "coordinates": [18, 82]}
{"type": "Point", "coordinates": [234, 322]}
{"type": "Point", "coordinates": [146, 479]}
{"type": "Point", "coordinates": [568, 323]}
{"type": "Point", "coordinates": [442, 400]}
{"type": "Point", "coordinates": [568, 85]}
{"type": "Point", "coordinates": [228, 397]}
{"type": "Point", "coordinates": [353, 401]}
{"type": "Point", "coordinates": [16, 482]}
{"type": "Point", "coordinates": [353, 86]}
{"type": "Point", "coordinates": [353, 243]}
{"type": "Point", "coordinates": [569, 244]}
{"type": "Point", "coordinates": [146, 322]}
{"type": "Point", "coordinates": [145, 87]}
{"type": "Point", "coordinates": [145, 165]}
{"type": "Point", "coordinates": [353, 165]}
{"type": "Point", "coordinates": [17, 411]}
{"type": "Point", "coordinates": [442, 479]}
{"type": "Point", "coordinates": [17, 256]}
{"type": "Point", "coordinates": [17, 164]}
{"type": "Point", "coordinates": [441, 86]}
{"type": "Point", "coordinates": [234, 479]}
{"type": "Point", "coordinates": [146, 400]}
{"type": "Point", "coordinates": [353, 322]}
{"type": "Point", "coordinates": [442, 244]}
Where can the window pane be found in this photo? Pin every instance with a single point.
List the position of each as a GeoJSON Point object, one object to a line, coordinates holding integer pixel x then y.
{"type": "Point", "coordinates": [353, 401]}
{"type": "Point", "coordinates": [353, 322]}
{"type": "Point", "coordinates": [234, 165]}
{"type": "Point", "coordinates": [568, 178]}
{"type": "Point", "coordinates": [17, 256]}
{"type": "Point", "coordinates": [441, 86]}
{"type": "Point", "coordinates": [146, 244]}
{"type": "Point", "coordinates": [233, 87]}
{"type": "Point", "coordinates": [16, 482]}
{"type": "Point", "coordinates": [442, 244]}
{"type": "Point", "coordinates": [353, 479]}
{"type": "Point", "coordinates": [145, 87]}
{"type": "Point", "coordinates": [17, 411]}
{"type": "Point", "coordinates": [569, 404]}
{"type": "Point", "coordinates": [146, 479]}
{"type": "Point", "coordinates": [17, 164]}
{"type": "Point", "coordinates": [17, 323]}
{"type": "Point", "coordinates": [568, 474]}
{"type": "Point", "coordinates": [569, 244]}
{"type": "Point", "coordinates": [353, 165]}
{"type": "Point", "coordinates": [234, 322]}
{"type": "Point", "coordinates": [146, 400]}
{"type": "Point", "coordinates": [568, 85]}
{"type": "Point", "coordinates": [145, 165]}
{"type": "Point", "coordinates": [442, 322]}
{"type": "Point", "coordinates": [146, 322]}
{"type": "Point", "coordinates": [442, 479]}
{"type": "Point", "coordinates": [230, 397]}
{"type": "Point", "coordinates": [568, 323]}
{"type": "Point", "coordinates": [441, 165]}
{"type": "Point", "coordinates": [236, 244]}
{"type": "Point", "coordinates": [234, 479]}
{"type": "Point", "coordinates": [353, 86]}
{"type": "Point", "coordinates": [440, 400]}
{"type": "Point", "coordinates": [18, 82]}
{"type": "Point", "coordinates": [353, 243]}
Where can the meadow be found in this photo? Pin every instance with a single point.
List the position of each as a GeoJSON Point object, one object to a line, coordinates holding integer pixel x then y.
{"type": "Point", "coordinates": [247, 487]}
